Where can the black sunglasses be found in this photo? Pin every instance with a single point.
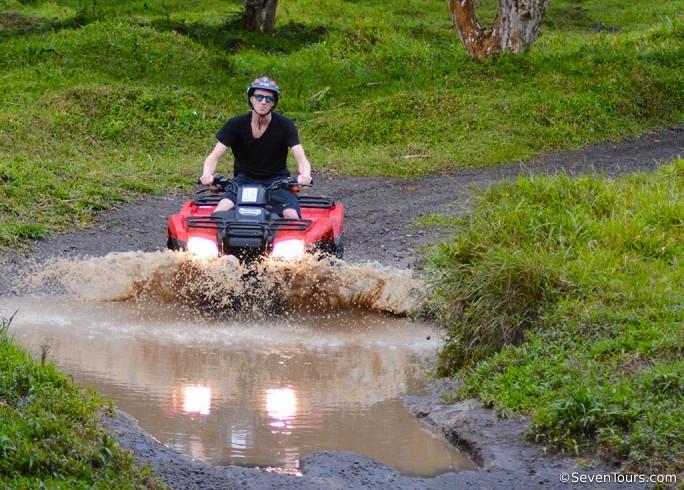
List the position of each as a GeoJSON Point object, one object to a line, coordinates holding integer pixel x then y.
{"type": "Point", "coordinates": [267, 98]}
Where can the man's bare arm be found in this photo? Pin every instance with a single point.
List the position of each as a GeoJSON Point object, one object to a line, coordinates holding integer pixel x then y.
{"type": "Point", "coordinates": [303, 165]}
{"type": "Point", "coordinates": [211, 162]}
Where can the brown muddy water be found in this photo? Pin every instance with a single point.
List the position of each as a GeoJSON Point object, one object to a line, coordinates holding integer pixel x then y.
{"type": "Point", "coordinates": [251, 388]}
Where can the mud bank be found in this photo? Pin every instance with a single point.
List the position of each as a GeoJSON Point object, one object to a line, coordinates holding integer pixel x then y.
{"type": "Point", "coordinates": [382, 233]}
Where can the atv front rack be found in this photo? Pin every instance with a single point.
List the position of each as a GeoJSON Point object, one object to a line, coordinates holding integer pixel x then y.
{"type": "Point", "coordinates": [316, 202]}
{"type": "Point", "coordinates": [208, 198]}
{"type": "Point", "coordinates": [220, 223]}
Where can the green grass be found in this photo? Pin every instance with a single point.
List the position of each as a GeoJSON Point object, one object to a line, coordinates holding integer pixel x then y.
{"type": "Point", "coordinates": [100, 101]}
{"type": "Point", "coordinates": [563, 298]}
{"type": "Point", "coordinates": [49, 433]}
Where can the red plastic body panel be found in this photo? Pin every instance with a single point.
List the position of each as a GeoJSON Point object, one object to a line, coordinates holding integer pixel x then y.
{"type": "Point", "coordinates": [328, 224]}
{"type": "Point", "coordinates": [180, 231]}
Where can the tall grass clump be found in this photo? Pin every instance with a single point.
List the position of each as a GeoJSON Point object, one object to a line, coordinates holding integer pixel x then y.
{"type": "Point", "coordinates": [562, 298]}
{"type": "Point", "coordinates": [49, 432]}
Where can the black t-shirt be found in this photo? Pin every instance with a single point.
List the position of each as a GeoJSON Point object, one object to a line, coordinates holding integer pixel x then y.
{"type": "Point", "coordinates": [264, 157]}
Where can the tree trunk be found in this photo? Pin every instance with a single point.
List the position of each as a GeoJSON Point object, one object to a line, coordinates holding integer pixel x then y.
{"type": "Point", "coordinates": [260, 15]}
{"type": "Point", "coordinates": [515, 29]}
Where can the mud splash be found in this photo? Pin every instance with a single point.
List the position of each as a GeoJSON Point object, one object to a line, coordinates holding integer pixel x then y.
{"type": "Point", "coordinates": [224, 284]}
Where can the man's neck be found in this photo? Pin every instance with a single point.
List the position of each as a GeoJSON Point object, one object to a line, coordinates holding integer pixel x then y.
{"type": "Point", "coordinates": [260, 121]}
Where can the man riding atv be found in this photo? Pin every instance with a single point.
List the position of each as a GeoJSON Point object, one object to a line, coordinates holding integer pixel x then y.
{"type": "Point", "coordinates": [257, 214]}
{"type": "Point", "coordinates": [259, 141]}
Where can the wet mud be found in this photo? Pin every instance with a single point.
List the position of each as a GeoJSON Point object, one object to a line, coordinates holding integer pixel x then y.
{"type": "Point", "coordinates": [226, 285]}
{"type": "Point", "coordinates": [379, 237]}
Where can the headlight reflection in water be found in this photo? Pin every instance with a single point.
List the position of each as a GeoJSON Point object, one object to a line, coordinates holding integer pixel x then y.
{"type": "Point", "coordinates": [281, 406]}
{"type": "Point", "coordinates": [197, 400]}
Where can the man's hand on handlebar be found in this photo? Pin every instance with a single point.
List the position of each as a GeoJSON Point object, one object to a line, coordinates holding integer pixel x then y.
{"type": "Point", "coordinates": [304, 179]}
{"type": "Point", "coordinates": [206, 179]}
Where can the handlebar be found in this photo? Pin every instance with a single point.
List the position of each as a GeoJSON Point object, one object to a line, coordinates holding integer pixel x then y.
{"type": "Point", "coordinates": [289, 182]}
{"type": "Point", "coordinates": [221, 182]}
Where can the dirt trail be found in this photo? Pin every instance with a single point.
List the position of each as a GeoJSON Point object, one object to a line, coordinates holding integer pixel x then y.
{"type": "Point", "coordinates": [379, 213]}
{"type": "Point", "coordinates": [379, 210]}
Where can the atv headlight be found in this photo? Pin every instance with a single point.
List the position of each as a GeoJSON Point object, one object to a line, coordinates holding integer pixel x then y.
{"type": "Point", "coordinates": [288, 249]}
{"type": "Point", "coordinates": [202, 248]}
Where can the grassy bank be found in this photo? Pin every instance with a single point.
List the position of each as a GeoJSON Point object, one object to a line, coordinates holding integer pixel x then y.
{"type": "Point", "coordinates": [563, 299]}
{"type": "Point", "coordinates": [49, 437]}
{"type": "Point", "coordinates": [103, 100]}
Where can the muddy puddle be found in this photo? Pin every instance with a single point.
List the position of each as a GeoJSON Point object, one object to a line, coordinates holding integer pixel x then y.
{"type": "Point", "coordinates": [322, 368]}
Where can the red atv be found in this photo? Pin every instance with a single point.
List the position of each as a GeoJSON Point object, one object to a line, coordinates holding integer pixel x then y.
{"type": "Point", "coordinates": [251, 229]}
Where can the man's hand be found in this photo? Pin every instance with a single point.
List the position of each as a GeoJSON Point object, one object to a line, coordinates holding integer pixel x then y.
{"type": "Point", "coordinates": [207, 179]}
{"type": "Point", "coordinates": [304, 179]}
